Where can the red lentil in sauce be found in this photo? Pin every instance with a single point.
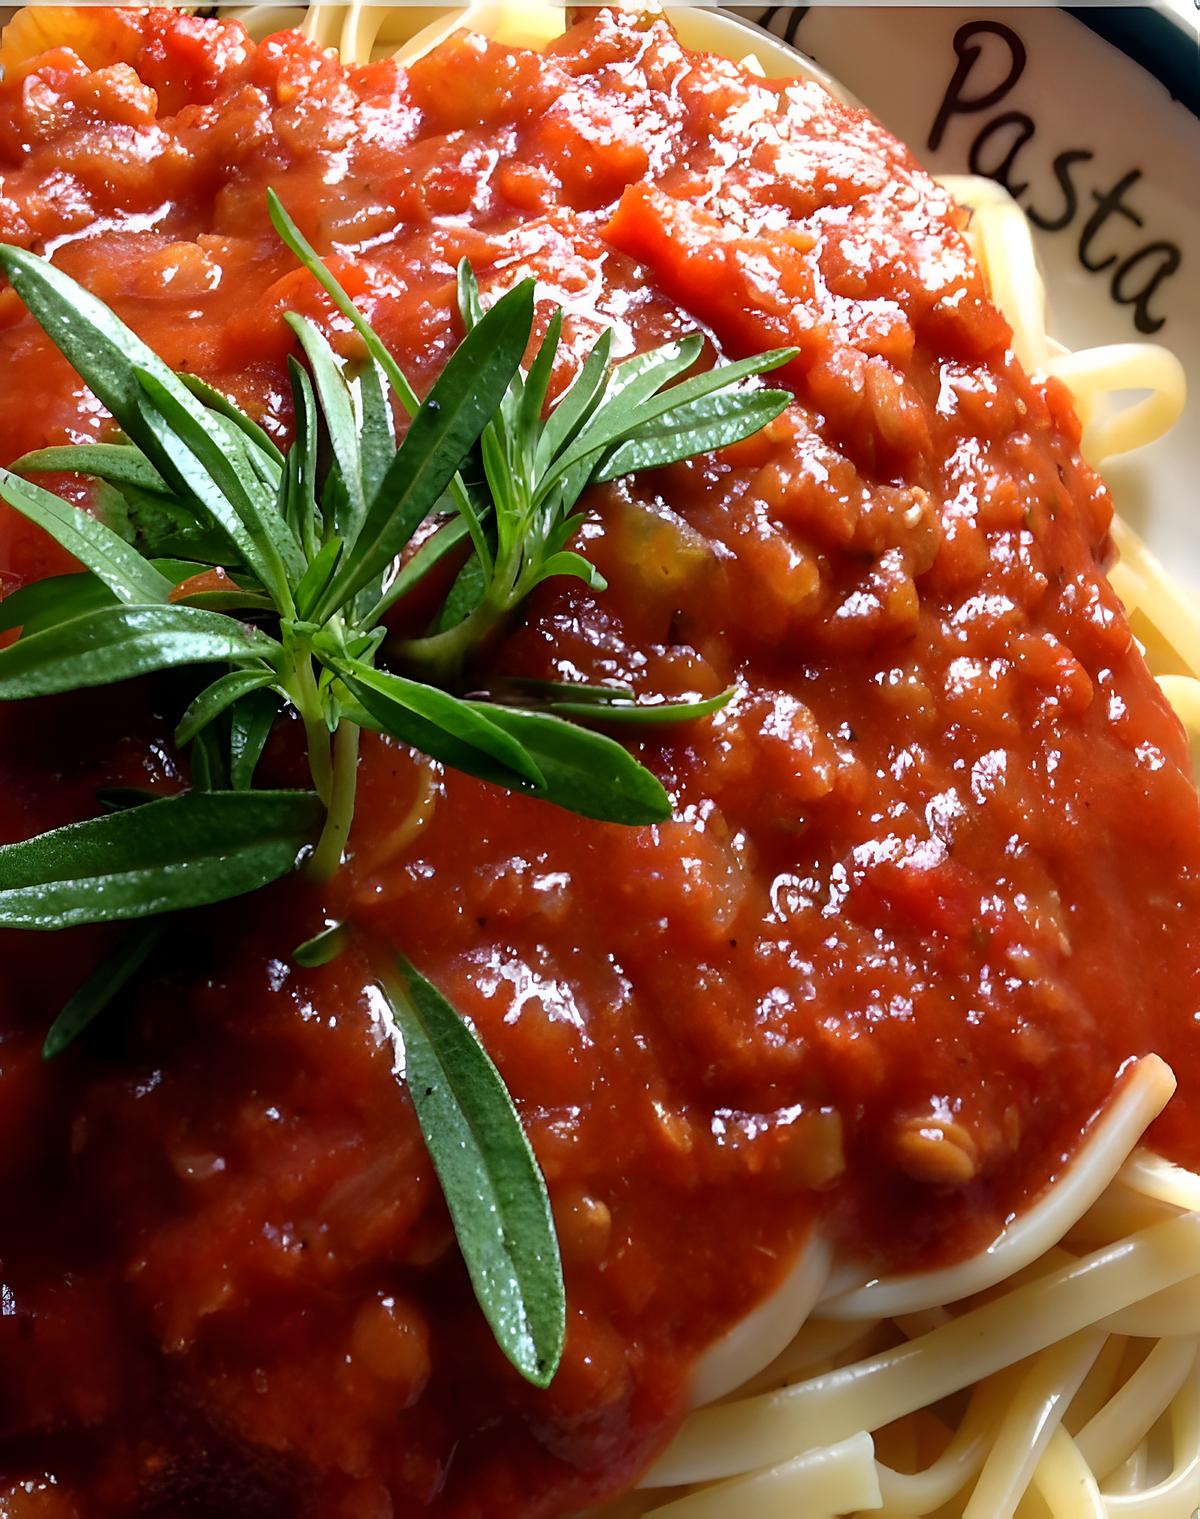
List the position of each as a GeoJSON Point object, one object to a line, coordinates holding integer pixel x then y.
{"type": "Point", "coordinates": [933, 873]}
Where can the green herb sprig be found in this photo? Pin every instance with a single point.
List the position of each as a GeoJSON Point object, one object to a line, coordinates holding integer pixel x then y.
{"type": "Point", "coordinates": [270, 572]}
{"type": "Point", "coordinates": [610, 422]}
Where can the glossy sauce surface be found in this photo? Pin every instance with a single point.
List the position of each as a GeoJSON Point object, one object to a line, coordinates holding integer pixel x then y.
{"type": "Point", "coordinates": [931, 880]}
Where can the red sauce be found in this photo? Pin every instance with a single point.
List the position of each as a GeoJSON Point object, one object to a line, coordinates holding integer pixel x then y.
{"type": "Point", "coordinates": [935, 869]}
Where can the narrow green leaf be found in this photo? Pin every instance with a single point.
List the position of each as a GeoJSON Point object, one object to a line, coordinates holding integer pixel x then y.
{"type": "Point", "coordinates": [712, 422]}
{"type": "Point", "coordinates": [109, 978]}
{"type": "Point", "coordinates": [465, 396]}
{"type": "Point", "coordinates": [208, 459]}
{"type": "Point", "coordinates": [294, 239]}
{"type": "Point", "coordinates": [208, 761]}
{"type": "Point", "coordinates": [489, 1175]}
{"type": "Point", "coordinates": [337, 409]}
{"type": "Point", "coordinates": [471, 501]}
{"type": "Point", "coordinates": [584, 772]}
{"type": "Point", "coordinates": [317, 577]}
{"type": "Point", "coordinates": [636, 380]}
{"type": "Point", "coordinates": [377, 436]}
{"type": "Point", "coordinates": [470, 307]}
{"type": "Point", "coordinates": [363, 645]}
{"type": "Point", "coordinates": [301, 497]}
{"type": "Point", "coordinates": [322, 947]}
{"type": "Point", "coordinates": [163, 527]}
{"type": "Point", "coordinates": [614, 707]}
{"type": "Point", "coordinates": [307, 255]}
{"type": "Point", "coordinates": [45, 603]}
{"type": "Point", "coordinates": [562, 532]}
{"type": "Point", "coordinates": [118, 643]}
{"type": "Point", "coordinates": [577, 769]}
{"type": "Point", "coordinates": [576, 403]}
{"type": "Point", "coordinates": [215, 699]}
{"type": "Point", "coordinates": [105, 553]}
{"type": "Point", "coordinates": [250, 724]}
{"type": "Point", "coordinates": [628, 389]}
{"type": "Point", "coordinates": [118, 463]}
{"type": "Point", "coordinates": [191, 476]}
{"type": "Point", "coordinates": [509, 502]}
{"type": "Point", "coordinates": [334, 500]}
{"type": "Point", "coordinates": [457, 732]}
{"type": "Point", "coordinates": [567, 562]}
{"type": "Point", "coordinates": [499, 436]}
{"type": "Point", "coordinates": [639, 393]}
{"type": "Point", "coordinates": [216, 400]}
{"type": "Point", "coordinates": [537, 383]}
{"type": "Point", "coordinates": [183, 851]}
{"type": "Point", "coordinates": [621, 423]}
{"type": "Point", "coordinates": [464, 595]}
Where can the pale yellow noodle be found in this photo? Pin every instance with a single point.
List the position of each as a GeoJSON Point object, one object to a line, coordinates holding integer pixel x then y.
{"type": "Point", "coordinates": [761, 1431]}
{"type": "Point", "coordinates": [1027, 1326]}
{"type": "Point", "coordinates": [1144, 1095]}
{"type": "Point", "coordinates": [1153, 1176]}
{"type": "Point", "coordinates": [820, 1345]}
{"type": "Point", "coordinates": [1131, 1476]}
{"type": "Point", "coordinates": [765, 1332]}
{"type": "Point", "coordinates": [1094, 374]}
{"type": "Point", "coordinates": [1179, 1494]}
{"type": "Point", "coordinates": [923, 1492]}
{"type": "Point", "coordinates": [834, 1478]}
{"type": "Point", "coordinates": [1112, 1435]}
{"type": "Point", "coordinates": [1119, 1211]}
{"type": "Point", "coordinates": [1037, 1410]}
{"type": "Point", "coordinates": [1163, 1314]}
{"type": "Point", "coordinates": [1066, 1484]}
{"type": "Point", "coordinates": [1109, 1369]}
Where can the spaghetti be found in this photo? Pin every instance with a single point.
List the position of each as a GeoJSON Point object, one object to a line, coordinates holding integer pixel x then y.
{"type": "Point", "coordinates": [1019, 1382]}
{"type": "Point", "coordinates": [1054, 1373]}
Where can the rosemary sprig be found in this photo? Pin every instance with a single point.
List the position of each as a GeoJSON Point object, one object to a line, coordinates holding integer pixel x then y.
{"type": "Point", "coordinates": [613, 420]}
{"type": "Point", "coordinates": [271, 571]}
{"type": "Point", "coordinates": [610, 422]}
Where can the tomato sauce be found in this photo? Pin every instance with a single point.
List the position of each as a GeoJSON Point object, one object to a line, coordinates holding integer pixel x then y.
{"type": "Point", "coordinates": [931, 879]}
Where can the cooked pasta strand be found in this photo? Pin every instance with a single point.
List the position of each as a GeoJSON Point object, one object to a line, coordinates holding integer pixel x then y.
{"type": "Point", "coordinates": [1144, 1095]}
{"type": "Point", "coordinates": [766, 1332]}
{"type": "Point", "coordinates": [1033, 1319]}
{"type": "Point", "coordinates": [1047, 1387]}
{"type": "Point", "coordinates": [761, 1431]}
{"type": "Point", "coordinates": [1066, 1484]}
{"type": "Point", "coordinates": [835, 1479]}
{"type": "Point", "coordinates": [1179, 1494]}
{"type": "Point", "coordinates": [1112, 1435]}
{"type": "Point", "coordinates": [924, 1492]}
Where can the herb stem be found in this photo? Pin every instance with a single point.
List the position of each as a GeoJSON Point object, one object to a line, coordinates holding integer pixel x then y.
{"type": "Point", "coordinates": [302, 690]}
{"type": "Point", "coordinates": [440, 657]}
{"type": "Point", "coordinates": [332, 843]}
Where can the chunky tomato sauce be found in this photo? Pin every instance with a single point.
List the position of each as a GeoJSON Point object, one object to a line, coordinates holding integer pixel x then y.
{"type": "Point", "coordinates": [931, 880]}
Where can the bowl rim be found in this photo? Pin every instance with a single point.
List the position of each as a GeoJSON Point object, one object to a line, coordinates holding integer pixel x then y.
{"type": "Point", "coordinates": [1157, 37]}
